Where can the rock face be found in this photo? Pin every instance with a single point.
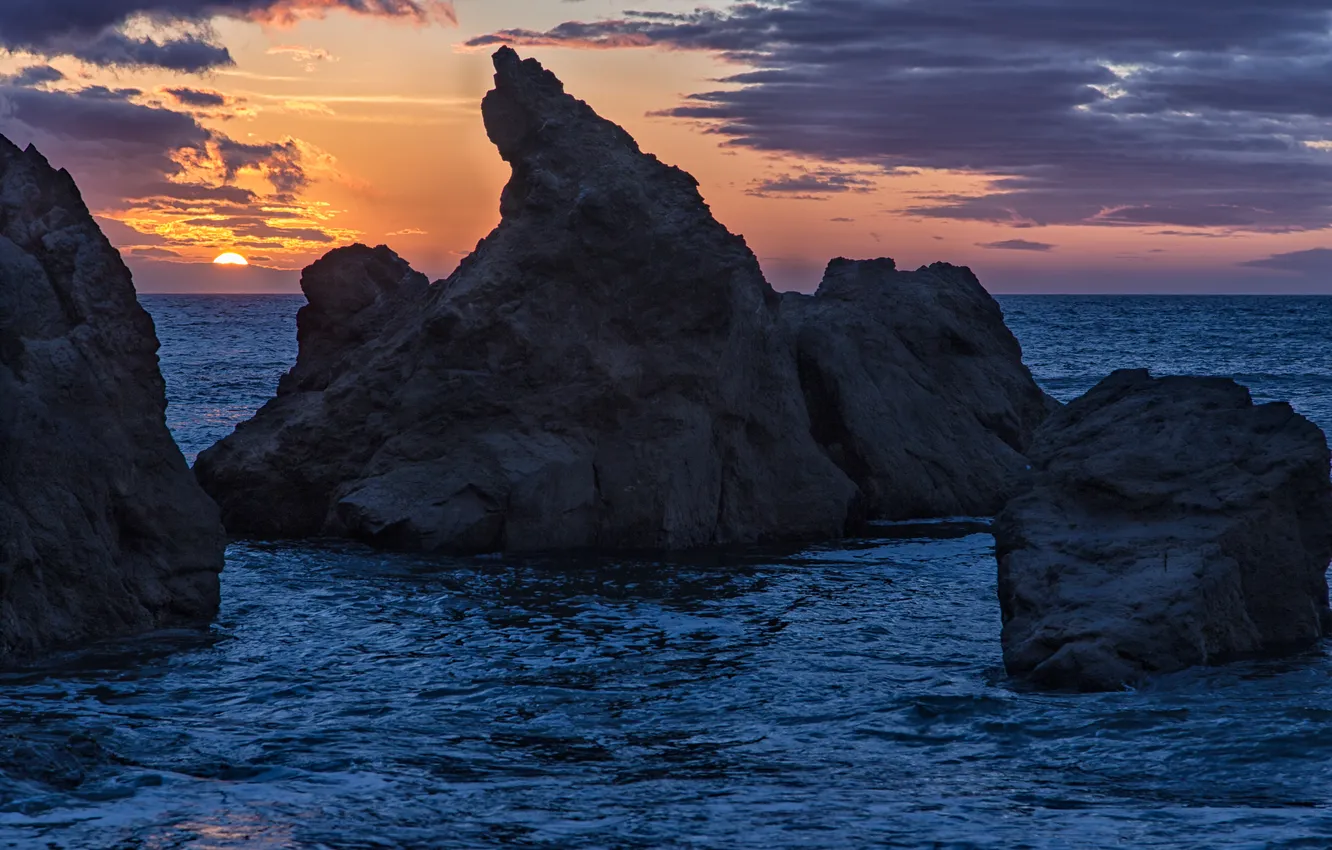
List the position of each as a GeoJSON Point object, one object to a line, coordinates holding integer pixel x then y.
{"type": "Point", "coordinates": [1169, 522]}
{"type": "Point", "coordinates": [915, 387]}
{"type": "Point", "coordinates": [103, 531]}
{"type": "Point", "coordinates": [610, 369]}
{"type": "Point", "coordinates": [606, 370]}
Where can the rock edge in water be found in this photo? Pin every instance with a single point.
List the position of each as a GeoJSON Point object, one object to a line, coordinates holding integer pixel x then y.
{"type": "Point", "coordinates": [103, 530]}
{"type": "Point", "coordinates": [610, 370]}
{"type": "Point", "coordinates": [1169, 522]}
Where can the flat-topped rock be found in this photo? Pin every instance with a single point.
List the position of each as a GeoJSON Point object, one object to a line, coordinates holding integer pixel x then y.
{"type": "Point", "coordinates": [1169, 522]}
{"type": "Point", "coordinates": [915, 387]}
{"type": "Point", "coordinates": [103, 530]}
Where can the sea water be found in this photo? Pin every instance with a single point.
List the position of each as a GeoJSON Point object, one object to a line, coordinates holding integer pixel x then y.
{"type": "Point", "coordinates": [833, 696]}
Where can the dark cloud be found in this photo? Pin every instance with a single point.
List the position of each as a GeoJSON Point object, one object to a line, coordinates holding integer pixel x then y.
{"type": "Point", "coordinates": [122, 151]}
{"type": "Point", "coordinates": [101, 116]}
{"type": "Point", "coordinates": [1314, 262]}
{"type": "Point", "coordinates": [34, 75]}
{"type": "Point", "coordinates": [279, 161]}
{"type": "Point", "coordinates": [820, 182]}
{"type": "Point", "coordinates": [164, 195]}
{"type": "Point", "coordinates": [198, 98]}
{"type": "Point", "coordinates": [94, 30]}
{"type": "Point", "coordinates": [122, 234]}
{"type": "Point", "coordinates": [187, 53]}
{"type": "Point", "coordinates": [1017, 245]}
{"type": "Point", "coordinates": [106, 140]}
{"type": "Point", "coordinates": [155, 253]}
{"type": "Point", "coordinates": [1192, 113]}
{"type": "Point", "coordinates": [258, 226]}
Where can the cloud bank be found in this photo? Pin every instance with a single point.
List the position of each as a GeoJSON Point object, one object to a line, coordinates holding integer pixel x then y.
{"type": "Point", "coordinates": [111, 32]}
{"type": "Point", "coordinates": [162, 180]}
{"type": "Point", "coordinates": [1190, 114]}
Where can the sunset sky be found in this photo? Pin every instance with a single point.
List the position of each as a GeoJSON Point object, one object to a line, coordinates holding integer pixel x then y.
{"type": "Point", "coordinates": [1083, 145]}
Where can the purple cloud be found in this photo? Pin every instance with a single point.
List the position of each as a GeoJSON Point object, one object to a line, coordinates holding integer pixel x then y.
{"type": "Point", "coordinates": [1112, 113]}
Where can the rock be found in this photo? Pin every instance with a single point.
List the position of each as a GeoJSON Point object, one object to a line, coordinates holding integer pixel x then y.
{"type": "Point", "coordinates": [353, 295]}
{"type": "Point", "coordinates": [1169, 522]}
{"type": "Point", "coordinates": [608, 370]}
{"type": "Point", "coordinates": [103, 531]}
{"type": "Point", "coordinates": [915, 387]}
{"type": "Point", "coordinates": [33, 755]}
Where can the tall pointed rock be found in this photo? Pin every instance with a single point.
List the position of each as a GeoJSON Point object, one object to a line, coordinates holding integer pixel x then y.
{"type": "Point", "coordinates": [606, 370]}
{"type": "Point", "coordinates": [103, 531]}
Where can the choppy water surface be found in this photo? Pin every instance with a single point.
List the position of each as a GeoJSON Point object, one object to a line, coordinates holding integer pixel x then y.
{"type": "Point", "coordinates": [1277, 346]}
{"type": "Point", "coordinates": [834, 697]}
{"type": "Point", "coordinates": [222, 356]}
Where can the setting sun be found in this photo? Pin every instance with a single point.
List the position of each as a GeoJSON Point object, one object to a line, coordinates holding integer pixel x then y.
{"type": "Point", "coordinates": [231, 259]}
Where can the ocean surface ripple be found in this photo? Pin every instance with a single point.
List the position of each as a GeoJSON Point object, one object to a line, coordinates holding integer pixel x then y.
{"type": "Point", "coordinates": [834, 696]}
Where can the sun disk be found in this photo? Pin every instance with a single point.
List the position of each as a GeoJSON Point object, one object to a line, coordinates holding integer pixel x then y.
{"type": "Point", "coordinates": [231, 259]}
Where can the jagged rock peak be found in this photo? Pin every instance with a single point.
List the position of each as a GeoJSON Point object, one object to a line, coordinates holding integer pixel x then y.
{"type": "Point", "coordinates": [352, 292]}
{"type": "Point", "coordinates": [528, 109]}
{"type": "Point", "coordinates": [526, 96]}
{"type": "Point", "coordinates": [568, 159]}
{"type": "Point", "coordinates": [103, 531]}
{"type": "Point", "coordinates": [915, 387]}
{"type": "Point", "coordinates": [606, 370]}
{"type": "Point", "coordinates": [610, 369]}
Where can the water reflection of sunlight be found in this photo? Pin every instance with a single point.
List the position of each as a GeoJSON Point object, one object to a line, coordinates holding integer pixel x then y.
{"type": "Point", "coordinates": [232, 830]}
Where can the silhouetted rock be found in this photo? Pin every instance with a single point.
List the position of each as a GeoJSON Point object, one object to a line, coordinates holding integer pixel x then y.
{"type": "Point", "coordinates": [606, 370]}
{"type": "Point", "coordinates": [353, 295]}
{"type": "Point", "coordinates": [1169, 522]}
{"type": "Point", "coordinates": [915, 386]}
{"type": "Point", "coordinates": [103, 531]}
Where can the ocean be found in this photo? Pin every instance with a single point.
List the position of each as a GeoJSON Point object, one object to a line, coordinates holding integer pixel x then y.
{"type": "Point", "coordinates": [844, 695]}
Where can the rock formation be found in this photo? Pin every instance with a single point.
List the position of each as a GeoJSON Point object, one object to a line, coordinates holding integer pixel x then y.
{"type": "Point", "coordinates": [610, 369]}
{"type": "Point", "coordinates": [1168, 522]}
{"type": "Point", "coordinates": [606, 370]}
{"type": "Point", "coordinates": [103, 531]}
{"type": "Point", "coordinates": [915, 386]}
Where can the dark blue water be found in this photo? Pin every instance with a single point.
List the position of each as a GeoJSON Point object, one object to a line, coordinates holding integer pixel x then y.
{"type": "Point", "coordinates": [834, 697]}
{"type": "Point", "coordinates": [1277, 346]}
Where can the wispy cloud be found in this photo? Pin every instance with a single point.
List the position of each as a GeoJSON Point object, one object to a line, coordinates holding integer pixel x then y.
{"type": "Point", "coordinates": [1016, 245]}
{"type": "Point", "coordinates": [807, 183]}
{"type": "Point", "coordinates": [309, 57]}
{"type": "Point", "coordinates": [307, 107]}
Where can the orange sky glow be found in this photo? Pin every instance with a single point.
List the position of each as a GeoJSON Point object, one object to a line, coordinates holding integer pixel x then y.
{"type": "Point", "coordinates": [381, 120]}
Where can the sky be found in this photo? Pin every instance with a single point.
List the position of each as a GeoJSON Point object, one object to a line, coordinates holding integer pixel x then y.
{"type": "Point", "coordinates": [1051, 145]}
